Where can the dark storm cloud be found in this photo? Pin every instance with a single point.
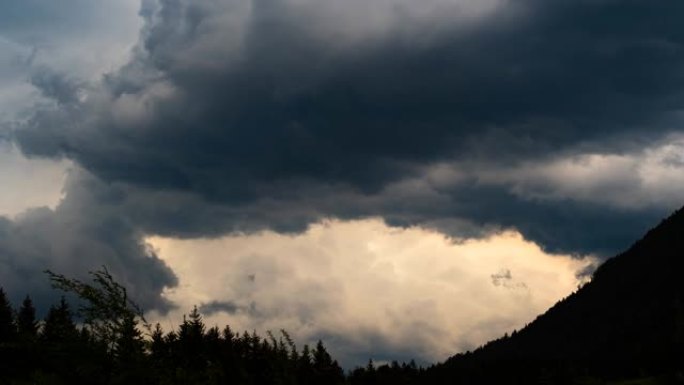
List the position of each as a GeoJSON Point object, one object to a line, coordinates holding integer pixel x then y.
{"type": "Point", "coordinates": [214, 307]}
{"type": "Point", "coordinates": [82, 234]}
{"type": "Point", "coordinates": [55, 86]}
{"type": "Point", "coordinates": [227, 123]}
{"type": "Point", "coordinates": [557, 226]}
{"type": "Point", "coordinates": [468, 209]}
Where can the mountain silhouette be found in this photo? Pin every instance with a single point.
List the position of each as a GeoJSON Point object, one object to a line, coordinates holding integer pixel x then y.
{"type": "Point", "coordinates": [627, 322]}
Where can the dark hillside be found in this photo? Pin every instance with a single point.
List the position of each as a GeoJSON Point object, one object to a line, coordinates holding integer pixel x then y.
{"type": "Point", "coordinates": [627, 322]}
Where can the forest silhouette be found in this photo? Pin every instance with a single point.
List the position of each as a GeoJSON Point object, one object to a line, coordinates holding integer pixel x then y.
{"type": "Point", "coordinates": [626, 326]}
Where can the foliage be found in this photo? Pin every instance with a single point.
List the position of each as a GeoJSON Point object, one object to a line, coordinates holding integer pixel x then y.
{"type": "Point", "coordinates": [105, 307]}
{"type": "Point", "coordinates": [108, 347]}
{"type": "Point", "coordinates": [7, 327]}
{"type": "Point", "coordinates": [59, 325]}
{"type": "Point", "coordinates": [27, 326]}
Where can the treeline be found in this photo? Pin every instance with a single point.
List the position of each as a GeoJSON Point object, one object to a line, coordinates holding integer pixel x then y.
{"type": "Point", "coordinates": [106, 340]}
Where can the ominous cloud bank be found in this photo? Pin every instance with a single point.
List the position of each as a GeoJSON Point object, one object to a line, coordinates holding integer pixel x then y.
{"type": "Point", "coordinates": [463, 116]}
{"type": "Point", "coordinates": [49, 52]}
{"type": "Point", "coordinates": [83, 233]}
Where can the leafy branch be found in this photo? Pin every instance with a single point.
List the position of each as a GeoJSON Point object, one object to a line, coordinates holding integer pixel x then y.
{"type": "Point", "coordinates": [105, 307]}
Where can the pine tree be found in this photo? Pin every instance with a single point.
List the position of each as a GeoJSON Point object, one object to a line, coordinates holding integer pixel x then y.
{"type": "Point", "coordinates": [191, 341]}
{"type": "Point", "coordinates": [304, 369]}
{"type": "Point", "coordinates": [326, 370]}
{"type": "Point", "coordinates": [27, 326]}
{"type": "Point", "coordinates": [196, 324]}
{"type": "Point", "coordinates": [8, 329]}
{"type": "Point", "coordinates": [158, 346]}
{"type": "Point", "coordinates": [59, 325]}
{"type": "Point", "coordinates": [129, 344]}
{"type": "Point", "coordinates": [321, 358]}
{"type": "Point", "coordinates": [106, 310]}
{"type": "Point", "coordinates": [129, 354]}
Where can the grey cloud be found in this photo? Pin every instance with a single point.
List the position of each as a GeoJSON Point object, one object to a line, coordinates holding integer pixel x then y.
{"type": "Point", "coordinates": [239, 123]}
{"type": "Point", "coordinates": [82, 234]}
{"type": "Point", "coordinates": [559, 226]}
{"type": "Point", "coordinates": [55, 86]}
{"type": "Point", "coordinates": [466, 209]}
{"type": "Point", "coordinates": [500, 277]}
{"type": "Point", "coordinates": [14, 92]}
{"type": "Point", "coordinates": [214, 307]}
{"type": "Point", "coordinates": [505, 279]}
{"type": "Point", "coordinates": [286, 109]}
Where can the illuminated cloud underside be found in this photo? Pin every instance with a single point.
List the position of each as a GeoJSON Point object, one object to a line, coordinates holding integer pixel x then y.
{"type": "Point", "coordinates": [382, 292]}
{"type": "Point", "coordinates": [650, 177]}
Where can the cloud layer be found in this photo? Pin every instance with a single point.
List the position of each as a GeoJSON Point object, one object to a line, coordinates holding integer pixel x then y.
{"type": "Point", "coordinates": [558, 120]}
{"type": "Point", "coordinates": [83, 233]}
{"type": "Point", "coordinates": [242, 104]}
{"type": "Point", "coordinates": [369, 290]}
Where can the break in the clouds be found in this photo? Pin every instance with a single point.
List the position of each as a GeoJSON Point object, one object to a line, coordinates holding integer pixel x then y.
{"type": "Point", "coordinates": [369, 290]}
{"type": "Point", "coordinates": [559, 120]}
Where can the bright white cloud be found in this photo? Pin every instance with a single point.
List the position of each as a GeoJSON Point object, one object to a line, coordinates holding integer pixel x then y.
{"type": "Point", "coordinates": [651, 177]}
{"type": "Point", "coordinates": [371, 288]}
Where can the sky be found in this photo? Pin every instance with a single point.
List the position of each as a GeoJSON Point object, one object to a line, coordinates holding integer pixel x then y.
{"type": "Point", "coordinates": [401, 179]}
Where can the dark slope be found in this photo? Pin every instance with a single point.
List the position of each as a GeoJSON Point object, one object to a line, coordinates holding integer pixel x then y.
{"type": "Point", "coordinates": [628, 321]}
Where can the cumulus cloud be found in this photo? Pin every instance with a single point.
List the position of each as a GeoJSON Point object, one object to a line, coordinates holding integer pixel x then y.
{"type": "Point", "coordinates": [82, 233]}
{"type": "Point", "coordinates": [212, 307]}
{"type": "Point", "coordinates": [15, 92]}
{"type": "Point", "coordinates": [56, 86]}
{"type": "Point", "coordinates": [52, 52]}
{"type": "Point", "coordinates": [248, 107]}
{"type": "Point", "coordinates": [648, 177]}
{"type": "Point", "coordinates": [234, 117]}
{"type": "Point", "coordinates": [368, 289]}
